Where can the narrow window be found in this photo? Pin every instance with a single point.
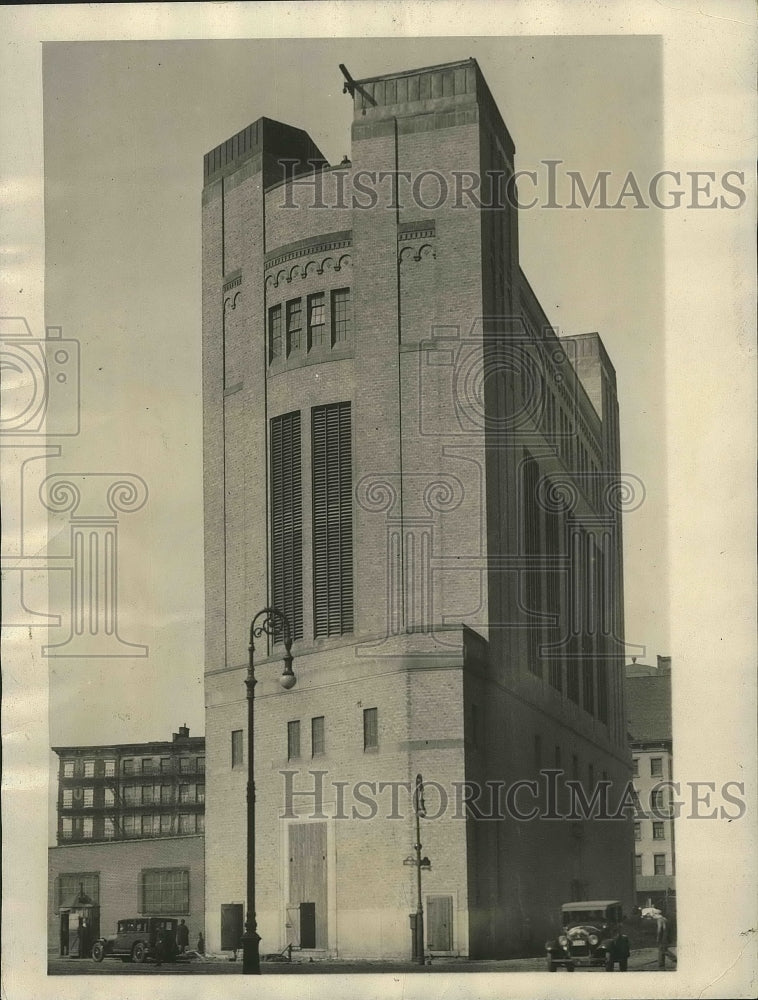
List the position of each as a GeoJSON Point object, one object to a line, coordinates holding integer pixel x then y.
{"type": "Point", "coordinates": [316, 320]}
{"type": "Point", "coordinates": [287, 521]}
{"type": "Point", "coordinates": [370, 728]}
{"type": "Point", "coordinates": [659, 864]}
{"type": "Point", "coordinates": [237, 748]}
{"type": "Point", "coordinates": [637, 864]}
{"type": "Point", "coordinates": [317, 736]}
{"type": "Point", "coordinates": [342, 319]}
{"type": "Point", "coordinates": [274, 333]}
{"type": "Point", "coordinates": [638, 831]}
{"type": "Point", "coordinates": [656, 767]}
{"type": "Point", "coordinates": [635, 767]}
{"type": "Point", "coordinates": [294, 325]}
{"type": "Point", "coordinates": [293, 740]}
{"type": "Point", "coordinates": [658, 830]}
{"type": "Point", "coordinates": [332, 520]}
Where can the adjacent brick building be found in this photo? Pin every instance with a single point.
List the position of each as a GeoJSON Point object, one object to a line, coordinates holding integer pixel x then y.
{"type": "Point", "coordinates": [131, 820]}
{"type": "Point", "coordinates": [402, 455]}
{"type": "Point", "coordinates": [648, 702]}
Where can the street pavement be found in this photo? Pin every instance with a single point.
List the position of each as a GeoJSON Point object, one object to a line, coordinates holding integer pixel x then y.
{"type": "Point", "coordinates": [643, 960]}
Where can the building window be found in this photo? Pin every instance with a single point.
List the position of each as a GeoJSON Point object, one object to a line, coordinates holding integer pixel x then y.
{"type": "Point", "coordinates": [129, 824]}
{"type": "Point", "coordinates": [67, 828]}
{"type": "Point", "coordinates": [657, 801]}
{"type": "Point", "coordinates": [131, 795]}
{"type": "Point", "coordinates": [89, 798]}
{"type": "Point", "coordinates": [293, 740]}
{"type": "Point", "coordinates": [200, 823]}
{"type": "Point", "coordinates": [186, 823]}
{"type": "Point", "coordinates": [317, 736]}
{"type": "Point", "coordinates": [89, 769]}
{"type": "Point", "coordinates": [147, 765]}
{"type": "Point", "coordinates": [128, 765]}
{"type": "Point", "coordinates": [166, 796]}
{"type": "Point", "coordinates": [370, 728]}
{"type": "Point", "coordinates": [165, 765]}
{"type": "Point", "coordinates": [659, 864]}
{"type": "Point", "coordinates": [109, 829]}
{"type": "Point", "coordinates": [68, 769]}
{"type": "Point", "coordinates": [635, 767]}
{"type": "Point", "coordinates": [165, 826]}
{"type": "Point", "coordinates": [316, 320]}
{"type": "Point", "coordinates": [147, 795]}
{"type": "Point", "coordinates": [186, 793]}
{"type": "Point", "coordinates": [164, 890]}
{"type": "Point", "coordinates": [87, 828]}
{"type": "Point", "coordinates": [109, 768]}
{"type": "Point", "coordinates": [342, 317]}
{"type": "Point", "coordinates": [656, 767]}
{"type": "Point", "coordinates": [274, 333]}
{"type": "Point", "coordinates": [185, 765]}
{"type": "Point", "coordinates": [68, 798]}
{"type": "Point", "coordinates": [201, 765]}
{"type": "Point", "coordinates": [287, 521]}
{"type": "Point", "coordinates": [637, 864]}
{"type": "Point", "coordinates": [638, 831]}
{"type": "Point", "coordinates": [332, 520]}
{"type": "Point", "coordinates": [146, 826]}
{"type": "Point", "coordinates": [658, 830]}
{"type": "Point", "coordinates": [237, 760]}
{"type": "Point", "coordinates": [109, 797]}
{"type": "Point", "coordinates": [72, 884]}
{"type": "Point", "coordinates": [294, 325]}
{"type": "Point", "coordinates": [200, 793]}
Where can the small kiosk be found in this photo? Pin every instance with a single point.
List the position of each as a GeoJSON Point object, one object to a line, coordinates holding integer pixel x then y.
{"type": "Point", "coordinates": [80, 925]}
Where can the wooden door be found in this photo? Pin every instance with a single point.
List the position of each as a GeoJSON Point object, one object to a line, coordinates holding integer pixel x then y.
{"type": "Point", "coordinates": [439, 923]}
{"type": "Point", "coordinates": [231, 926]}
{"type": "Point", "coordinates": [307, 881]}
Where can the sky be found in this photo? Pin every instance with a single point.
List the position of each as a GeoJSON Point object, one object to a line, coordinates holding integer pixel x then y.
{"type": "Point", "coordinates": [672, 294]}
{"type": "Point", "coordinates": [126, 125]}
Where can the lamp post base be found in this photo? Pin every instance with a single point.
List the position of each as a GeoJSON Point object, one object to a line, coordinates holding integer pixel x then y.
{"type": "Point", "coordinates": [251, 959]}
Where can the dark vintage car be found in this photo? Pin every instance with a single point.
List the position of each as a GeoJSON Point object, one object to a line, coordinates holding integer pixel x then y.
{"type": "Point", "coordinates": [586, 940]}
{"type": "Point", "coordinates": [136, 940]}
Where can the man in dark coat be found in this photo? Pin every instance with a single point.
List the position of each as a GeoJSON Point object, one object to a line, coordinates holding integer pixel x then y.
{"type": "Point", "coordinates": [182, 937]}
{"type": "Point", "coordinates": [618, 951]}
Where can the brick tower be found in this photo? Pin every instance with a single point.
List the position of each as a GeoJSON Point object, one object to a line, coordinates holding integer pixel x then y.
{"type": "Point", "coordinates": [403, 457]}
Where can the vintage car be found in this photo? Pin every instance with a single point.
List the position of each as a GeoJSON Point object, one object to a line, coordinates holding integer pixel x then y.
{"type": "Point", "coordinates": [588, 928]}
{"type": "Point", "coordinates": [136, 940]}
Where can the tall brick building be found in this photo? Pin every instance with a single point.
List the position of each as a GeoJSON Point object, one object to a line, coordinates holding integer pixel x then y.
{"type": "Point", "coordinates": [402, 455]}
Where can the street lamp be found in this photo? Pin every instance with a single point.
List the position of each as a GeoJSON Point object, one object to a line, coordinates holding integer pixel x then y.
{"type": "Point", "coordinates": [266, 622]}
{"type": "Point", "coordinates": [422, 864]}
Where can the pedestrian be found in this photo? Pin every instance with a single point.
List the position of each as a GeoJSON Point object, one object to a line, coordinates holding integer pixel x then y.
{"type": "Point", "coordinates": [200, 944]}
{"type": "Point", "coordinates": [662, 938]}
{"type": "Point", "coordinates": [160, 947]}
{"type": "Point", "coordinates": [182, 937]}
{"type": "Point", "coordinates": [618, 951]}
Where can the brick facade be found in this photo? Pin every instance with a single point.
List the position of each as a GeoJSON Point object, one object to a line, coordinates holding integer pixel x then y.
{"type": "Point", "coordinates": [448, 368]}
{"type": "Point", "coordinates": [119, 867]}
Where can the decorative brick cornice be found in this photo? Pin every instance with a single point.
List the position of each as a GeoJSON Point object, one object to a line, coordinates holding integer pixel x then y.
{"type": "Point", "coordinates": [304, 248]}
